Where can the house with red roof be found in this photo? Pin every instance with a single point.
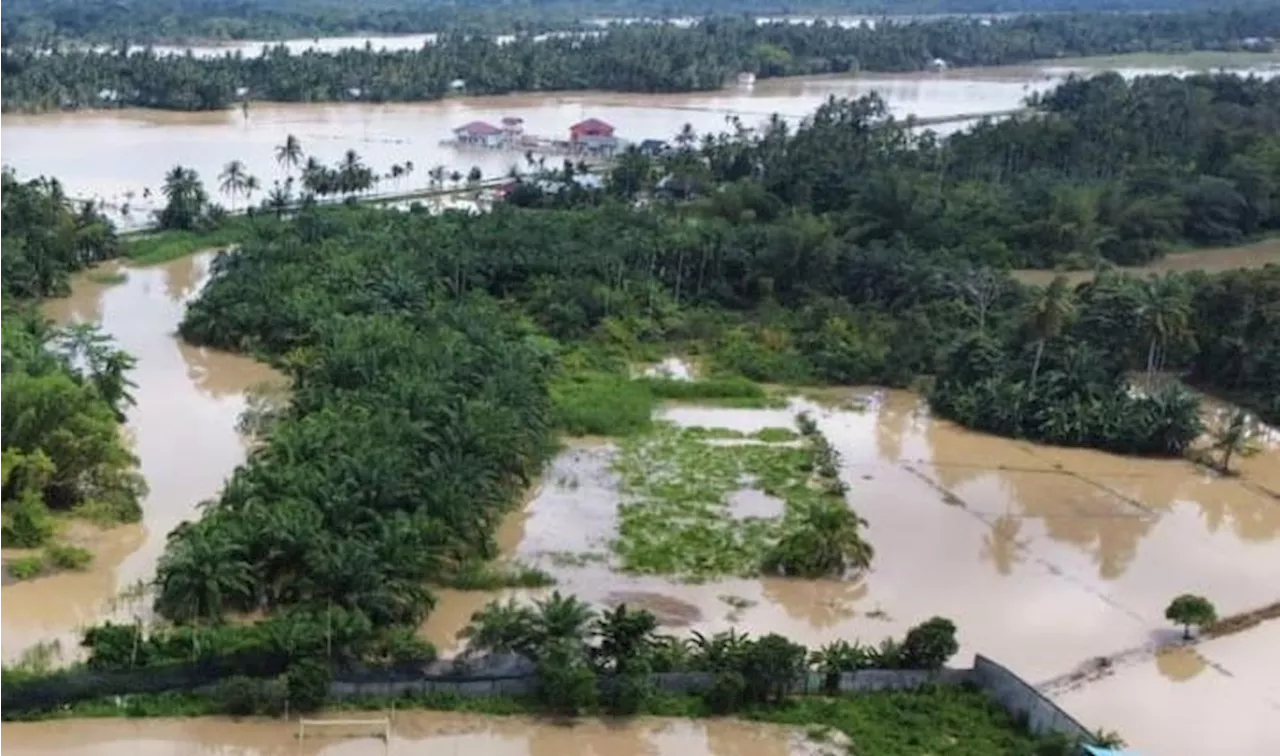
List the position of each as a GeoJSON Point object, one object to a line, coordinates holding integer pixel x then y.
{"type": "Point", "coordinates": [593, 135]}
{"type": "Point", "coordinates": [480, 134]}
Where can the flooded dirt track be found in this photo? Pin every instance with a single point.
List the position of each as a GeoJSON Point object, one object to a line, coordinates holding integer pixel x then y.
{"type": "Point", "coordinates": [183, 429]}
{"type": "Point", "coordinates": [428, 733]}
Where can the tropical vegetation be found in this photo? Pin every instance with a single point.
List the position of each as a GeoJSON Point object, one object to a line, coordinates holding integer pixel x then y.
{"type": "Point", "coordinates": [63, 394]}
{"type": "Point", "coordinates": [679, 517]}
{"type": "Point", "coordinates": [44, 22]}
{"type": "Point", "coordinates": [46, 240]}
{"type": "Point", "coordinates": [629, 58]}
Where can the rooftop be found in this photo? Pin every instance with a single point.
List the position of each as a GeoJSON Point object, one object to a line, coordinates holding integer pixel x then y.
{"type": "Point", "coordinates": [478, 128]}
{"type": "Point", "coordinates": [592, 124]}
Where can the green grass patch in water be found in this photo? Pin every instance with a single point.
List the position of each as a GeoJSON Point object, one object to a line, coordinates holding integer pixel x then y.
{"type": "Point", "coordinates": [162, 246]}
{"type": "Point", "coordinates": [107, 278]}
{"type": "Point", "coordinates": [932, 720]}
{"type": "Point", "coordinates": [600, 403]}
{"type": "Point", "coordinates": [677, 516]}
{"type": "Point", "coordinates": [483, 576]}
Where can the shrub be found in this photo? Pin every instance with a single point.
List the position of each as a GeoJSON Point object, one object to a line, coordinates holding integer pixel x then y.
{"type": "Point", "coordinates": [770, 668]}
{"type": "Point", "coordinates": [273, 696]}
{"type": "Point", "coordinates": [475, 575]}
{"type": "Point", "coordinates": [930, 644]}
{"type": "Point", "coordinates": [67, 557]}
{"type": "Point", "coordinates": [566, 682]}
{"type": "Point", "coordinates": [27, 524]}
{"type": "Point", "coordinates": [401, 649]}
{"type": "Point", "coordinates": [726, 693]}
{"type": "Point", "coordinates": [26, 568]}
{"type": "Point", "coordinates": [307, 682]}
{"type": "Point", "coordinates": [237, 696]}
{"type": "Point", "coordinates": [628, 692]}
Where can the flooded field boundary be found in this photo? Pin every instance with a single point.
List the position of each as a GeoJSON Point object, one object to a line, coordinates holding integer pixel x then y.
{"type": "Point", "coordinates": [1105, 666]}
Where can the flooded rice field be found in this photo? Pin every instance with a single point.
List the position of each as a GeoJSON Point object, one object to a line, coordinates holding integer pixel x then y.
{"type": "Point", "coordinates": [1046, 558]}
{"type": "Point", "coordinates": [183, 428]}
{"type": "Point", "coordinates": [431, 733]}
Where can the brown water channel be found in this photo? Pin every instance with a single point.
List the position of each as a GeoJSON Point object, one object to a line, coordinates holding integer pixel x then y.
{"type": "Point", "coordinates": [183, 429]}
{"type": "Point", "coordinates": [1046, 558]}
{"type": "Point", "coordinates": [430, 733]}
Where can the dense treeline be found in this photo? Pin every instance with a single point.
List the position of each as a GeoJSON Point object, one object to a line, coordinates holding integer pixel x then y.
{"type": "Point", "coordinates": [45, 241]}
{"type": "Point", "coordinates": [41, 22]}
{"type": "Point", "coordinates": [643, 58]}
{"type": "Point", "coordinates": [1111, 171]}
{"type": "Point", "coordinates": [1235, 322]}
{"type": "Point", "coordinates": [415, 423]}
{"type": "Point", "coordinates": [65, 389]}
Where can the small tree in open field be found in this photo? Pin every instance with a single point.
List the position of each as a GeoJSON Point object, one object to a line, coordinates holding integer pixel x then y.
{"type": "Point", "coordinates": [1189, 609]}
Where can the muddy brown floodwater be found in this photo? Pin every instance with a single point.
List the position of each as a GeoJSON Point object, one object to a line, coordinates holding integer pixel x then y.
{"type": "Point", "coordinates": [429, 733]}
{"type": "Point", "coordinates": [183, 429]}
{"type": "Point", "coordinates": [117, 155]}
{"type": "Point", "coordinates": [1045, 557]}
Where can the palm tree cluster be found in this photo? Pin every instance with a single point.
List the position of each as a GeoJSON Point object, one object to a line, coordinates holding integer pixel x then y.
{"type": "Point", "coordinates": [1052, 385]}
{"type": "Point", "coordinates": [632, 58]}
{"type": "Point", "coordinates": [186, 202]}
{"type": "Point", "coordinates": [349, 177]}
{"type": "Point", "coordinates": [413, 427]}
{"type": "Point", "coordinates": [65, 392]}
{"type": "Point", "coordinates": [47, 237]}
{"type": "Point", "coordinates": [621, 647]}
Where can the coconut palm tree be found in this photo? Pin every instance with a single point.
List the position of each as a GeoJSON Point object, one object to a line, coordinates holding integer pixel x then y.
{"type": "Point", "coordinates": [1048, 313]}
{"type": "Point", "coordinates": [232, 180]}
{"type": "Point", "coordinates": [251, 185]}
{"type": "Point", "coordinates": [289, 154]}
{"type": "Point", "coordinates": [1164, 312]}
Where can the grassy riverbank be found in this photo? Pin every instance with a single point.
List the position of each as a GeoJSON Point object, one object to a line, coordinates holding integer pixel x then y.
{"type": "Point", "coordinates": [890, 723]}
{"type": "Point", "coordinates": [161, 246]}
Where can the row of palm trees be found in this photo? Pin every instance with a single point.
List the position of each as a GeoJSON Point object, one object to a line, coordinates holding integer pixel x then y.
{"type": "Point", "coordinates": [351, 176]}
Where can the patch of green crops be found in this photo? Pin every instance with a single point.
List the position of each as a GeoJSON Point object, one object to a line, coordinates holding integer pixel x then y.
{"type": "Point", "coordinates": [676, 518]}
